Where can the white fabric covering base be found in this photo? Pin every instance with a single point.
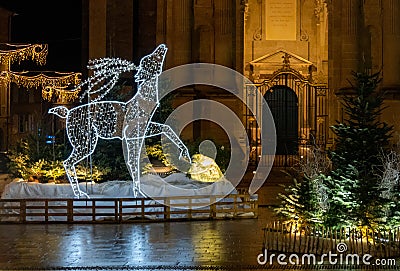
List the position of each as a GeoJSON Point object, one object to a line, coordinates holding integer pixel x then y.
{"type": "Point", "coordinates": [176, 184]}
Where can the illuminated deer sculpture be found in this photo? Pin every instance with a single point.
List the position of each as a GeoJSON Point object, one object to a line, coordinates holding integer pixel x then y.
{"type": "Point", "coordinates": [130, 121]}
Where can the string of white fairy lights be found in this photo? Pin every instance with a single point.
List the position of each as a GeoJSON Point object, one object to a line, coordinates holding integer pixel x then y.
{"type": "Point", "coordinates": [106, 72]}
{"type": "Point", "coordinates": [128, 121]}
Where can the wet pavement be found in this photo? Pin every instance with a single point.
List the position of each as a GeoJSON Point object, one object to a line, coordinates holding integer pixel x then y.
{"type": "Point", "coordinates": [131, 246]}
{"type": "Point", "coordinates": [194, 245]}
{"type": "Point", "coordinates": [190, 245]}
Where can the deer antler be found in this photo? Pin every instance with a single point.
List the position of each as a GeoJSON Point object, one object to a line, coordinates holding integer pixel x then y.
{"type": "Point", "coordinates": [104, 69]}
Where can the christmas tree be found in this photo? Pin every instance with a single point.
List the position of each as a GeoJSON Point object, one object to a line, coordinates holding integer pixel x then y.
{"type": "Point", "coordinates": [353, 185]}
{"type": "Point", "coordinates": [305, 201]}
{"type": "Point", "coordinates": [353, 191]}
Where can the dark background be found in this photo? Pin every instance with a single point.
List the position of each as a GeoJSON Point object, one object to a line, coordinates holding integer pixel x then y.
{"type": "Point", "coordinates": [57, 23]}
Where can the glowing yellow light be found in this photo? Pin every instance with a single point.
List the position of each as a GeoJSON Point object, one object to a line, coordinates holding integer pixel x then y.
{"type": "Point", "coordinates": [10, 53]}
{"type": "Point", "coordinates": [60, 92]}
{"type": "Point", "coordinates": [53, 84]}
{"type": "Point", "coordinates": [204, 169]}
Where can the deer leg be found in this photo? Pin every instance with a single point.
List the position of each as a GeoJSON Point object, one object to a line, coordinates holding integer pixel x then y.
{"type": "Point", "coordinates": [69, 165]}
{"type": "Point", "coordinates": [134, 146]}
{"type": "Point", "coordinates": [158, 128]}
{"type": "Point", "coordinates": [82, 149]}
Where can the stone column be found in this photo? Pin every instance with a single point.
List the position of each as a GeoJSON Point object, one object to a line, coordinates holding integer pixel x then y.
{"type": "Point", "coordinates": [224, 22]}
{"type": "Point", "coordinates": [120, 29]}
{"type": "Point", "coordinates": [320, 12]}
{"type": "Point", "coordinates": [97, 28]}
{"type": "Point", "coordinates": [373, 27]}
{"type": "Point", "coordinates": [161, 21]}
{"type": "Point", "coordinates": [391, 42]}
{"type": "Point", "coordinates": [5, 102]}
{"type": "Point", "coordinates": [350, 39]}
{"type": "Point", "coordinates": [182, 31]}
{"type": "Point", "coordinates": [343, 50]}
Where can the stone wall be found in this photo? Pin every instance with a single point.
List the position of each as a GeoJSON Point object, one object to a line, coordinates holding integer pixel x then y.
{"type": "Point", "coordinates": [308, 22]}
{"type": "Point", "coordinates": [365, 35]}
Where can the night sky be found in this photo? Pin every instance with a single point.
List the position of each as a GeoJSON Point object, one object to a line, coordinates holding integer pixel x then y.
{"type": "Point", "coordinates": [57, 23]}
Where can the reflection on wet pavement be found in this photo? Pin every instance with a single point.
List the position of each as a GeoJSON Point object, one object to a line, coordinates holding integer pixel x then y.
{"type": "Point", "coordinates": [195, 245]}
{"type": "Point", "coordinates": [233, 242]}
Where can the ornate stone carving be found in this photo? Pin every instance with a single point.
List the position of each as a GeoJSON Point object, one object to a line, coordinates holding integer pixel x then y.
{"type": "Point", "coordinates": [286, 60]}
{"type": "Point", "coordinates": [303, 35]}
{"type": "Point", "coordinates": [319, 8]}
{"type": "Point", "coordinates": [320, 78]}
{"type": "Point", "coordinates": [245, 8]}
{"type": "Point", "coordinates": [328, 4]}
{"type": "Point", "coordinates": [257, 34]}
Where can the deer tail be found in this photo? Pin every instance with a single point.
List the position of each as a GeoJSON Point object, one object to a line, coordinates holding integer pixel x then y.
{"type": "Point", "coordinates": [60, 111]}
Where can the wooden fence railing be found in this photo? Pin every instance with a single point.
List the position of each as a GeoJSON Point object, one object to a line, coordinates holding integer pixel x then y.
{"type": "Point", "coordinates": [293, 238]}
{"type": "Point", "coordinates": [119, 210]}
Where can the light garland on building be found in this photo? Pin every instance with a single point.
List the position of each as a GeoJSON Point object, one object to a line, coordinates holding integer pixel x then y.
{"type": "Point", "coordinates": [52, 83]}
{"type": "Point", "coordinates": [62, 94]}
{"type": "Point", "coordinates": [43, 79]}
{"type": "Point", "coordinates": [11, 53]}
{"type": "Point", "coordinates": [130, 121]}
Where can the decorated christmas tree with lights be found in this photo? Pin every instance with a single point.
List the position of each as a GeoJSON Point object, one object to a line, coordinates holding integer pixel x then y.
{"type": "Point", "coordinates": [354, 185]}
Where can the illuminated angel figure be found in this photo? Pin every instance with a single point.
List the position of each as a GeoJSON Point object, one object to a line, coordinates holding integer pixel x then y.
{"type": "Point", "coordinates": [130, 121]}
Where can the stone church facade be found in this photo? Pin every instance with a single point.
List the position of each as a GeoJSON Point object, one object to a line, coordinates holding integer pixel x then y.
{"type": "Point", "coordinates": [299, 53]}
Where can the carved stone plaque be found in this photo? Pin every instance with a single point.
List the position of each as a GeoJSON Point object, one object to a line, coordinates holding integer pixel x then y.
{"type": "Point", "coordinates": [280, 19]}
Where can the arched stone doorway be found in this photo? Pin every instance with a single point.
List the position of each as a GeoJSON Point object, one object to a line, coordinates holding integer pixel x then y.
{"type": "Point", "coordinates": [299, 109]}
{"type": "Point", "coordinates": [283, 103]}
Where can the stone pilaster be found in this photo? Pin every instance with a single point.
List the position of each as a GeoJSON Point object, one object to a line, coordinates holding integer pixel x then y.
{"type": "Point", "coordinates": [182, 31]}
{"type": "Point", "coordinates": [372, 40]}
{"type": "Point", "coordinates": [4, 110]}
{"type": "Point", "coordinates": [391, 42]}
{"type": "Point", "coordinates": [350, 40]}
{"type": "Point", "coordinates": [161, 21]}
{"type": "Point", "coordinates": [224, 23]}
{"type": "Point", "coordinates": [97, 28]}
{"type": "Point", "coordinates": [120, 29]}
